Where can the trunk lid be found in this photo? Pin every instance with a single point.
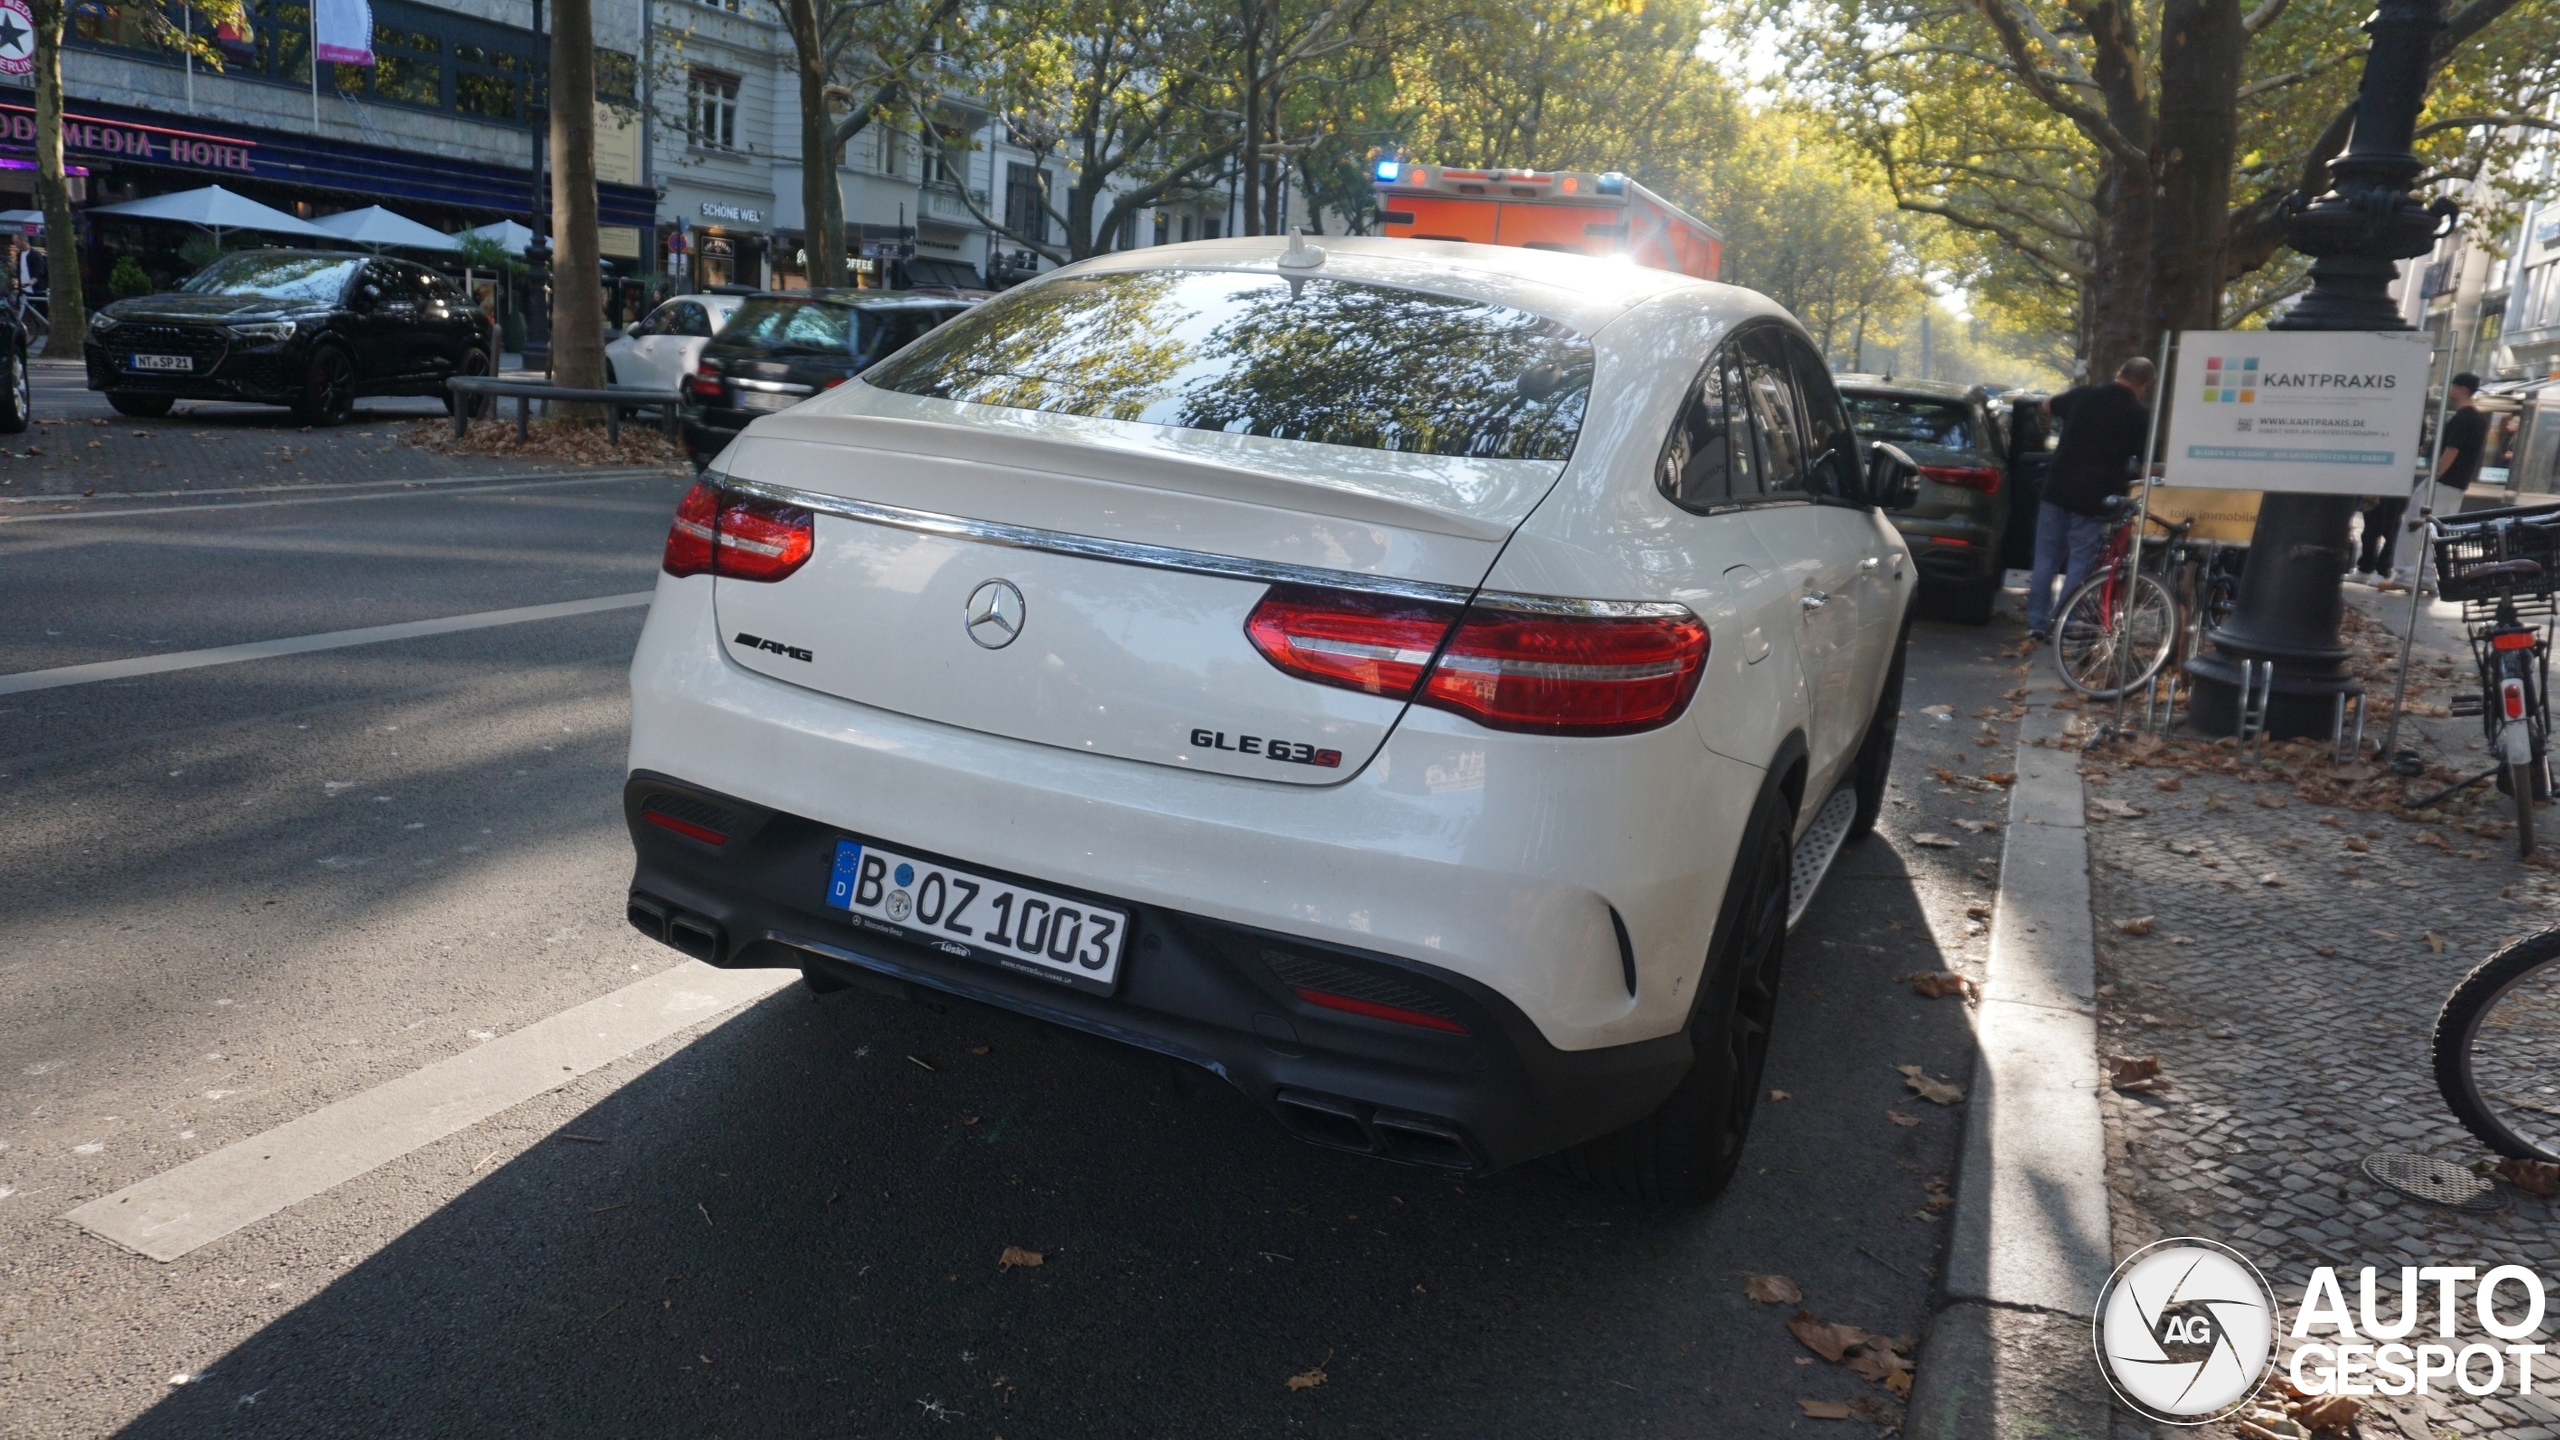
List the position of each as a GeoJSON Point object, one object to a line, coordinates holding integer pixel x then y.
{"type": "Point", "coordinates": [1084, 582]}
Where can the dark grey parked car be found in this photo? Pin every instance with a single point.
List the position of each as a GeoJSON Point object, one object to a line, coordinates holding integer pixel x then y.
{"type": "Point", "coordinates": [1959, 527]}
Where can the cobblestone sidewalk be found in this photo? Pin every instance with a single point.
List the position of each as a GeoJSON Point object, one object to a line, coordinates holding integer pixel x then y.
{"type": "Point", "coordinates": [2285, 959]}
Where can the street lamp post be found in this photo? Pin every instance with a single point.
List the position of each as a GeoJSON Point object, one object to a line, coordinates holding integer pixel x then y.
{"type": "Point", "coordinates": [2290, 603]}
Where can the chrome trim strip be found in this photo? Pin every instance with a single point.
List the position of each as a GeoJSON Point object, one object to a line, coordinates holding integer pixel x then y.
{"type": "Point", "coordinates": [771, 387]}
{"type": "Point", "coordinates": [1088, 547]}
{"type": "Point", "coordinates": [1190, 562]}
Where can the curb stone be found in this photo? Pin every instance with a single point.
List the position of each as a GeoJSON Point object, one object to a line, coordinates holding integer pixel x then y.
{"type": "Point", "coordinates": [2007, 1354]}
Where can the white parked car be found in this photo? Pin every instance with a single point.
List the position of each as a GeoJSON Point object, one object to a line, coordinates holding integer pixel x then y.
{"type": "Point", "coordinates": [1419, 682]}
{"type": "Point", "coordinates": [660, 349]}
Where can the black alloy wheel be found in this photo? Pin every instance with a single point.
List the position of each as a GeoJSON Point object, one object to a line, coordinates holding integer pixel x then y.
{"type": "Point", "coordinates": [475, 364]}
{"type": "Point", "coordinates": [1687, 1150]}
{"type": "Point", "coordinates": [328, 389]}
{"type": "Point", "coordinates": [139, 405]}
{"type": "Point", "coordinates": [17, 398]}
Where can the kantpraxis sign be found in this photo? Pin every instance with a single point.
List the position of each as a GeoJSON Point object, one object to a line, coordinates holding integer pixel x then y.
{"type": "Point", "coordinates": [2324, 412]}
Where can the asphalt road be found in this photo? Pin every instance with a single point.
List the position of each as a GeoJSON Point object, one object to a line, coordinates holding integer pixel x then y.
{"type": "Point", "coordinates": [235, 894]}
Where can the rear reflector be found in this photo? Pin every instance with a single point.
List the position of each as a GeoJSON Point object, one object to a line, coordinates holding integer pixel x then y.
{"type": "Point", "coordinates": [1970, 477]}
{"type": "Point", "coordinates": [2512, 640]}
{"type": "Point", "coordinates": [1375, 1011]}
{"type": "Point", "coordinates": [1581, 670]}
{"type": "Point", "coordinates": [686, 828]}
{"type": "Point", "coordinates": [738, 536]}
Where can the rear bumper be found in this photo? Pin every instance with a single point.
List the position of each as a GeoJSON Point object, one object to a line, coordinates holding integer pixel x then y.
{"type": "Point", "coordinates": [1199, 990]}
{"type": "Point", "coordinates": [1952, 551]}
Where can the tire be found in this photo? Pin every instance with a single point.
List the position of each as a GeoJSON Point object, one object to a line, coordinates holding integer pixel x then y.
{"type": "Point", "coordinates": [1872, 772]}
{"type": "Point", "coordinates": [2085, 654]}
{"type": "Point", "coordinates": [2493, 1040]}
{"type": "Point", "coordinates": [1973, 604]}
{"type": "Point", "coordinates": [2520, 780]}
{"type": "Point", "coordinates": [328, 392]}
{"type": "Point", "coordinates": [141, 407]}
{"type": "Point", "coordinates": [1687, 1150]}
{"type": "Point", "coordinates": [475, 363]}
{"type": "Point", "coordinates": [17, 396]}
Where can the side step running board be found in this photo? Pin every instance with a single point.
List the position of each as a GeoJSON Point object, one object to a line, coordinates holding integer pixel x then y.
{"type": "Point", "coordinates": [1819, 847]}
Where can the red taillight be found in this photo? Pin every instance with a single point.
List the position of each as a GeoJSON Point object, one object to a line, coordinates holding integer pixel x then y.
{"type": "Point", "coordinates": [1376, 643]}
{"type": "Point", "coordinates": [2511, 640]}
{"type": "Point", "coordinates": [738, 536]}
{"type": "Point", "coordinates": [1353, 1005]}
{"type": "Point", "coordinates": [1970, 477]}
{"type": "Point", "coordinates": [704, 382]}
{"type": "Point", "coordinates": [2511, 698]}
{"type": "Point", "coordinates": [685, 828]}
{"type": "Point", "coordinates": [1553, 674]}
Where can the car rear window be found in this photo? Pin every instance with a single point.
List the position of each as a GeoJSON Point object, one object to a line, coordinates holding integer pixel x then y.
{"type": "Point", "coordinates": [1336, 362]}
{"type": "Point", "coordinates": [1902, 418]}
{"type": "Point", "coordinates": [784, 326]}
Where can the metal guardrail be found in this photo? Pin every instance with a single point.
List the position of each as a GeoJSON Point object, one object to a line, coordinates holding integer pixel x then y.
{"type": "Point", "coordinates": [527, 393]}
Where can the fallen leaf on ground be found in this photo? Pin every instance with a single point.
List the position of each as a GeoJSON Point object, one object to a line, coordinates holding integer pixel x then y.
{"type": "Point", "coordinates": [1825, 1409]}
{"type": "Point", "coordinates": [2325, 951]}
{"type": "Point", "coordinates": [1831, 1342]}
{"type": "Point", "coordinates": [1940, 711]}
{"type": "Point", "coordinates": [2534, 1177]}
{"type": "Point", "coordinates": [1938, 984]}
{"type": "Point", "coordinates": [1937, 1092]}
{"type": "Point", "coordinates": [1308, 1380]}
{"type": "Point", "coordinates": [2333, 1413]}
{"type": "Point", "coordinates": [2138, 925]}
{"type": "Point", "coordinates": [2136, 1074]}
{"type": "Point", "coordinates": [2435, 943]}
{"type": "Point", "coordinates": [1015, 1255]}
{"type": "Point", "coordinates": [1899, 1118]}
{"type": "Point", "coordinates": [1933, 840]}
{"type": "Point", "coordinates": [1979, 827]}
{"type": "Point", "coordinates": [2359, 845]}
{"type": "Point", "coordinates": [2182, 939]}
{"type": "Point", "coordinates": [2272, 802]}
{"type": "Point", "coordinates": [2117, 809]}
{"type": "Point", "coordinates": [2171, 782]}
{"type": "Point", "coordinates": [1780, 1095]}
{"type": "Point", "coordinates": [1977, 912]}
{"type": "Point", "coordinates": [2001, 777]}
{"type": "Point", "coordinates": [2271, 878]}
{"type": "Point", "coordinates": [1771, 1289]}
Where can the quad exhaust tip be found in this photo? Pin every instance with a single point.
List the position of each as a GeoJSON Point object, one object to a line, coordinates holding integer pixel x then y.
{"type": "Point", "coordinates": [1368, 1130]}
{"type": "Point", "coordinates": [693, 934]}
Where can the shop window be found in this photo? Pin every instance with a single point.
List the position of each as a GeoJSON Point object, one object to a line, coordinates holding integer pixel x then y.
{"type": "Point", "coordinates": [711, 110]}
{"type": "Point", "coordinates": [1026, 202]}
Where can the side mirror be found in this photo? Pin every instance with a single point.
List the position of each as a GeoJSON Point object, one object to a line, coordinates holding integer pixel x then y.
{"type": "Point", "coordinates": [1893, 478]}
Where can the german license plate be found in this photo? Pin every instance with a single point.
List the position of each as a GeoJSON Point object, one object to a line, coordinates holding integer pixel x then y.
{"type": "Point", "coordinates": [959, 912]}
{"type": "Point", "coordinates": [161, 362]}
{"type": "Point", "coordinates": [767, 400]}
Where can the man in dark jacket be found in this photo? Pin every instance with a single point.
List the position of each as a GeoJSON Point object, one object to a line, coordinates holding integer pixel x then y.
{"type": "Point", "coordinates": [2104, 428]}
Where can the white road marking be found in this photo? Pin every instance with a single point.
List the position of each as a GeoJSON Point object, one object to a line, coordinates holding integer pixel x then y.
{"type": "Point", "coordinates": [385, 490]}
{"type": "Point", "coordinates": [26, 680]}
{"type": "Point", "coordinates": [207, 1198]}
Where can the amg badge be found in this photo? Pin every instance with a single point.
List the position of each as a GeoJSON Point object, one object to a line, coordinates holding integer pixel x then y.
{"type": "Point", "coordinates": [758, 642]}
{"type": "Point", "coordinates": [1287, 752]}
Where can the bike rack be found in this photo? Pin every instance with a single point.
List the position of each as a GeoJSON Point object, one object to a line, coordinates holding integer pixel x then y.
{"type": "Point", "coordinates": [2257, 693]}
{"type": "Point", "coordinates": [2342, 747]}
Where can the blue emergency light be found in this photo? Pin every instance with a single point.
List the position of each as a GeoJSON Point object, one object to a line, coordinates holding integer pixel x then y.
{"type": "Point", "coordinates": [1388, 170]}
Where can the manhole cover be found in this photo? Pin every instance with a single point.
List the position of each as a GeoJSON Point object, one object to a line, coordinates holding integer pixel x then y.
{"type": "Point", "coordinates": [2438, 1182]}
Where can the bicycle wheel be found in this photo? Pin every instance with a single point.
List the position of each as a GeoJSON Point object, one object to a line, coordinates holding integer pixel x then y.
{"type": "Point", "coordinates": [2087, 647]}
{"type": "Point", "coordinates": [2494, 1045]}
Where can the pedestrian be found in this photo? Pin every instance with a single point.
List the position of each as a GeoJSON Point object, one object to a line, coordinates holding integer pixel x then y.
{"type": "Point", "coordinates": [2381, 539]}
{"type": "Point", "coordinates": [2466, 439]}
{"type": "Point", "coordinates": [2103, 430]}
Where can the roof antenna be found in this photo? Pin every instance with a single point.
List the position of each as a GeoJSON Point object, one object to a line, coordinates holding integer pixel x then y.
{"type": "Point", "coordinates": [1300, 255]}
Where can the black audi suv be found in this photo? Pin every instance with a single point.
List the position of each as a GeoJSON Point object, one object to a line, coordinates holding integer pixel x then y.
{"type": "Point", "coordinates": [310, 329]}
{"type": "Point", "coordinates": [784, 346]}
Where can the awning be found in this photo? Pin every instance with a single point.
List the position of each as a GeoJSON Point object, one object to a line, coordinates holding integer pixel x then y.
{"type": "Point", "coordinates": [510, 236]}
{"type": "Point", "coordinates": [217, 210]}
{"type": "Point", "coordinates": [378, 228]}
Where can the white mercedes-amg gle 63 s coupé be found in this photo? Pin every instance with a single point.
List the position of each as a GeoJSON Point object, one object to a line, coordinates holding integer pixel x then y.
{"type": "Point", "coordinates": [1418, 682]}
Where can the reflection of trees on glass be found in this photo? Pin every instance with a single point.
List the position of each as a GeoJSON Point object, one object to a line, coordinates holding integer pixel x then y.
{"type": "Point", "coordinates": [1330, 361]}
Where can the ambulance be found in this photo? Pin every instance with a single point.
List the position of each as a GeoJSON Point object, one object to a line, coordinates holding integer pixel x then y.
{"type": "Point", "coordinates": [1576, 211]}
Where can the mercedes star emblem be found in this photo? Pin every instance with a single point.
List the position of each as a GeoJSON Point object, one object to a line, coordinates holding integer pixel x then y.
{"type": "Point", "coordinates": [995, 614]}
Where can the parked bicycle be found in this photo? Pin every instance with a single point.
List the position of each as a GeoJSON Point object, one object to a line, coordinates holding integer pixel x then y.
{"type": "Point", "coordinates": [2502, 567]}
{"type": "Point", "coordinates": [27, 308]}
{"type": "Point", "coordinates": [2493, 1046]}
{"type": "Point", "coordinates": [2123, 626]}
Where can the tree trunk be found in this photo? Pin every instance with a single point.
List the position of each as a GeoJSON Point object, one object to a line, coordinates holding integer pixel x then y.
{"type": "Point", "coordinates": [821, 202]}
{"type": "Point", "coordinates": [2119, 308]}
{"type": "Point", "coordinates": [577, 286]}
{"type": "Point", "coordinates": [2201, 45]}
{"type": "Point", "coordinates": [1253, 117]}
{"type": "Point", "coordinates": [70, 322]}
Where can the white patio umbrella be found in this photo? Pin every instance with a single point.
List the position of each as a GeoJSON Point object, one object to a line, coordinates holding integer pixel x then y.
{"type": "Point", "coordinates": [510, 236]}
{"type": "Point", "coordinates": [376, 229]}
{"type": "Point", "coordinates": [215, 209]}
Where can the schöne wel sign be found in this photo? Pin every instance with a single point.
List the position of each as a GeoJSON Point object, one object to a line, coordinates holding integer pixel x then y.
{"type": "Point", "coordinates": [2326, 412]}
